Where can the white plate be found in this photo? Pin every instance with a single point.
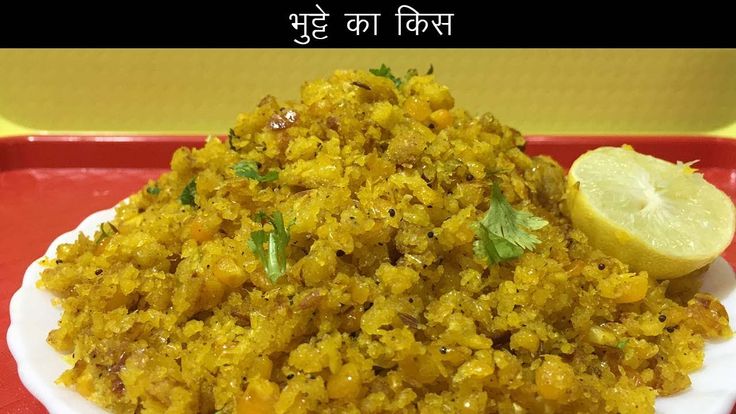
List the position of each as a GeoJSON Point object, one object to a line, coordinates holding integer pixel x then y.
{"type": "Point", "coordinates": [32, 316]}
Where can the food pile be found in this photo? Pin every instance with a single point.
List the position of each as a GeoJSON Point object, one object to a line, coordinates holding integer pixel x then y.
{"type": "Point", "coordinates": [370, 248]}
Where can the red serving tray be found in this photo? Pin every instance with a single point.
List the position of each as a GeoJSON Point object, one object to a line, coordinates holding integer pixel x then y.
{"type": "Point", "coordinates": [49, 184]}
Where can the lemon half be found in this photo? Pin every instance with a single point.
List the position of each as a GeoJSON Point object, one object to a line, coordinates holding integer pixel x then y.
{"type": "Point", "coordinates": [654, 215]}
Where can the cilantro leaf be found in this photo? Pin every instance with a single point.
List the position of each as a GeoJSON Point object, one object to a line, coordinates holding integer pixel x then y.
{"type": "Point", "coordinates": [501, 233]}
{"type": "Point", "coordinates": [273, 259]}
{"type": "Point", "coordinates": [385, 72]}
{"type": "Point", "coordinates": [104, 234]}
{"type": "Point", "coordinates": [187, 195]}
{"type": "Point", "coordinates": [249, 169]}
{"type": "Point", "coordinates": [622, 344]}
{"type": "Point", "coordinates": [261, 216]}
{"type": "Point", "coordinates": [154, 190]}
{"type": "Point", "coordinates": [411, 73]}
{"type": "Point", "coordinates": [494, 248]}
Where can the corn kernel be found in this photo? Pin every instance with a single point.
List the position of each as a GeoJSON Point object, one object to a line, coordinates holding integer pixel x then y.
{"type": "Point", "coordinates": [553, 378]}
{"type": "Point", "coordinates": [259, 398]}
{"type": "Point", "coordinates": [345, 383]}
{"type": "Point", "coordinates": [229, 273]}
{"type": "Point", "coordinates": [203, 228]}
{"type": "Point", "coordinates": [624, 288]}
{"type": "Point", "coordinates": [525, 339]}
{"type": "Point", "coordinates": [635, 290]}
{"type": "Point", "coordinates": [417, 108]}
{"type": "Point", "coordinates": [442, 118]}
{"type": "Point", "coordinates": [261, 367]}
{"type": "Point", "coordinates": [602, 336]}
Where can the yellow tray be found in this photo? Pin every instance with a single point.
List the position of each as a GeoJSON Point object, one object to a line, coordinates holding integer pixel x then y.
{"type": "Point", "coordinates": [202, 91]}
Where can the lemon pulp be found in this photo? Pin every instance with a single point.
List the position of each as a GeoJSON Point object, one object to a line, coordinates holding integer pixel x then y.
{"type": "Point", "coordinates": [657, 216]}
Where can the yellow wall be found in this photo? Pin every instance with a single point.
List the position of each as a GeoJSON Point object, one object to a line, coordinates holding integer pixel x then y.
{"type": "Point", "coordinates": [201, 91]}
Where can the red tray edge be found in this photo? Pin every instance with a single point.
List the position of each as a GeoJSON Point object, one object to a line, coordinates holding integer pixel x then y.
{"type": "Point", "coordinates": [150, 151]}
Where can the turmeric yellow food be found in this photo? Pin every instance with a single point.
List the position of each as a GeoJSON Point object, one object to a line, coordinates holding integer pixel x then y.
{"type": "Point", "coordinates": [327, 257]}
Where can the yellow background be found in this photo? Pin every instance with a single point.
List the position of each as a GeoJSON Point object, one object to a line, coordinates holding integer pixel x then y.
{"type": "Point", "coordinates": [201, 91]}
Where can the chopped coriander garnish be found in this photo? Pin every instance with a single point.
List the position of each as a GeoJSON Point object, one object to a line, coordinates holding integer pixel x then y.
{"type": "Point", "coordinates": [622, 344]}
{"type": "Point", "coordinates": [153, 190]}
{"type": "Point", "coordinates": [411, 73]}
{"type": "Point", "coordinates": [273, 259]}
{"type": "Point", "coordinates": [501, 234]}
{"type": "Point", "coordinates": [260, 216]}
{"type": "Point", "coordinates": [249, 169]}
{"type": "Point", "coordinates": [104, 233]}
{"type": "Point", "coordinates": [385, 72]}
{"type": "Point", "coordinates": [187, 195]}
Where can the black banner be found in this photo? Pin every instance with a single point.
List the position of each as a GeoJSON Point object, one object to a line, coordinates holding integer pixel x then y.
{"type": "Point", "coordinates": [363, 24]}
